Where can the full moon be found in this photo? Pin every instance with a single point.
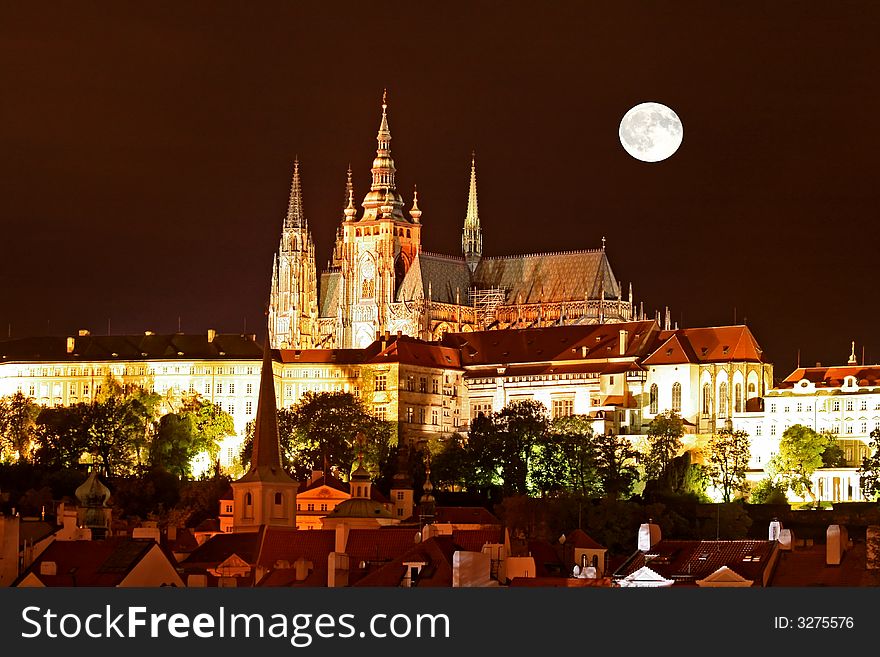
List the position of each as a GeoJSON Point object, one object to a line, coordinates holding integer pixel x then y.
{"type": "Point", "coordinates": [651, 132]}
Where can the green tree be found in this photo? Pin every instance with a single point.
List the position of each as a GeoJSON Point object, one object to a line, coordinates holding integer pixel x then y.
{"type": "Point", "coordinates": [833, 456]}
{"type": "Point", "coordinates": [664, 443]}
{"type": "Point", "coordinates": [616, 467]}
{"type": "Point", "coordinates": [800, 455]}
{"type": "Point", "coordinates": [502, 444]}
{"type": "Point", "coordinates": [768, 491]}
{"type": "Point", "coordinates": [322, 428]}
{"type": "Point", "coordinates": [564, 458]}
{"type": "Point", "coordinates": [62, 436]}
{"type": "Point", "coordinates": [18, 415]}
{"type": "Point", "coordinates": [870, 468]}
{"type": "Point", "coordinates": [728, 461]}
{"type": "Point", "coordinates": [453, 467]}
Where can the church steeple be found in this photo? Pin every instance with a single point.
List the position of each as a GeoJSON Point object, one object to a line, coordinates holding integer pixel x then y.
{"type": "Point", "coordinates": [472, 235]}
{"type": "Point", "coordinates": [383, 184]}
{"type": "Point", "coordinates": [266, 494]}
{"type": "Point", "coordinates": [295, 216]}
{"type": "Point", "coordinates": [350, 210]}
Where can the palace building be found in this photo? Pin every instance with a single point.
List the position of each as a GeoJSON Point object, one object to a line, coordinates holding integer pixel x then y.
{"type": "Point", "coordinates": [381, 280]}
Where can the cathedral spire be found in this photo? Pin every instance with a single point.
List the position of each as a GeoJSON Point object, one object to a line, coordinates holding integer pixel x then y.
{"type": "Point", "coordinates": [350, 210]}
{"type": "Point", "coordinates": [383, 166]}
{"type": "Point", "coordinates": [472, 235]}
{"type": "Point", "coordinates": [295, 216]}
{"type": "Point", "coordinates": [415, 212]}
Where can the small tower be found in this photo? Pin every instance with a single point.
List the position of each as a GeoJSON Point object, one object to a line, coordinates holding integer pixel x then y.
{"type": "Point", "coordinates": [852, 355]}
{"type": "Point", "coordinates": [427, 505]}
{"type": "Point", "coordinates": [472, 235]}
{"type": "Point", "coordinates": [402, 493]}
{"type": "Point", "coordinates": [92, 511]}
{"type": "Point", "coordinates": [360, 482]}
{"type": "Point", "coordinates": [266, 494]}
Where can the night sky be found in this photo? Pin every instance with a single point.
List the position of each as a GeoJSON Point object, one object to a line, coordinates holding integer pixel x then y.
{"type": "Point", "coordinates": [146, 152]}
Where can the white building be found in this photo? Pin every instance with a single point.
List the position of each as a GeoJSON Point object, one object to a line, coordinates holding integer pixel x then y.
{"type": "Point", "coordinates": [843, 401]}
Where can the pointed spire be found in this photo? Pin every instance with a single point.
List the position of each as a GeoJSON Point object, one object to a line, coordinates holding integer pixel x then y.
{"type": "Point", "coordinates": [384, 131]}
{"type": "Point", "coordinates": [295, 216]}
{"type": "Point", "coordinates": [350, 210]}
{"type": "Point", "coordinates": [266, 454]}
{"type": "Point", "coordinates": [603, 242]}
{"type": "Point", "coordinates": [472, 235]}
{"type": "Point", "coordinates": [415, 212]}
{"type": "Point", "coordinates": [383, 166]}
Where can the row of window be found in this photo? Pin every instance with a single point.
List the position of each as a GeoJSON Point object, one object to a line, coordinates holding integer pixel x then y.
{"type": "Point", "coordinates": [139, 370]}
{"type": "Point", "coordinates": [834, 405]}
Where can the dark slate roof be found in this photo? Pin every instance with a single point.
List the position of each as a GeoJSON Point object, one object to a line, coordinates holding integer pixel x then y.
{"type": "Point", "coordinates": [465, 515]}
{"type": "Point", "coordinates": [549, 277]}
{"type": "Point", "coordinates": [172, 346]}
{"type": "Point", "coordinates": [328, 295]}
{"type": "Point", "coordinates": [442, 275]}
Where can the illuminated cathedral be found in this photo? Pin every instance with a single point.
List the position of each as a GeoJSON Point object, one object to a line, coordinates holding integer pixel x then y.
{"type": "Point", "coordinates": [381, 281]}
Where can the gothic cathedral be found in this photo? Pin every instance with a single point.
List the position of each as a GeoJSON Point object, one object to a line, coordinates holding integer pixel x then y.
{"type": "Point", "coordinates": [380, 280]}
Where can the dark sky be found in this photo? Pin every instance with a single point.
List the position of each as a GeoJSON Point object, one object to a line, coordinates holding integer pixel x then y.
{"type": "Point", "coordinates": [146, 151]}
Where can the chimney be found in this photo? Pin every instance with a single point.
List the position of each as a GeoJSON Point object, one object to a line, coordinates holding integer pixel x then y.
{"type": "Point", "coordinates": [84, 333]}
{"type": "Point", "coordinates": [302, 568]}
{"type": "Point", "coordinates": [399, 333]}
{"type": "Point", "coordinates": [775, 530]}
{"type": "Point", "coordinates": [211, 335]}
{"type": "Point", "coordinates": [649, 536]}
{"type": "Point", "coordinates": [818, 364]}
{"type": "Point", "coordinates": [316, 474]}
{"type": "Point", "coordinates": [341, 538]}
{"type": "Point", "coordinates": [70, 343]}
{"type": "Point", "coordinates": [623, 336]}
{"type": "Point", "coordinates": [387, 335]}
{"type": "Point", "coordinates": [583, 351]}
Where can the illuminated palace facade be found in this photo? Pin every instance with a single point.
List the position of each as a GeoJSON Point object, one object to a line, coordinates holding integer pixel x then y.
{"type": "Point", "coordinates": [381, 281]}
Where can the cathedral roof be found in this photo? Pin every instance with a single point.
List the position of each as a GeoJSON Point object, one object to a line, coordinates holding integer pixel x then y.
{"type": "Point", "coordinates": [328, 295]}
{"type": "Point", "coordinates": [549, 277]}
{"type": "Point", "coordinates": [437, 276]}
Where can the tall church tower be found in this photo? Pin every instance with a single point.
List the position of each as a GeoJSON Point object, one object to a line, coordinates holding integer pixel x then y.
{"type": "Point", "coordinates": [293, 305]}
{"type": "Point", "coordinates": [266, 494]}
{"type": "Point", "coordinates": [375, 250]}
{"type": "Point", "coordinates": [472, 235]}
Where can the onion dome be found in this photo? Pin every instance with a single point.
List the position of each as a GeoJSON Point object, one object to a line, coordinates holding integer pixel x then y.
{"type": "Point", "coordinates": [92, 492]}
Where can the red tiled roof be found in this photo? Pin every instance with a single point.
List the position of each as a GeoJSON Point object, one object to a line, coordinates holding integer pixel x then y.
{"type": "Point", "coordinates": [688, 561]}
{"type": "Point", "coordinates": [833, 377]}
{"type": "Point", "coordinates": [556, 343]}
{"type": "Point", "coordinates": [705, 345]}
{"type": "Point", "coordinates": [411, 351]}
{"type": "Point", "coordinates": [473, 540]}
{"type": "Point", "coordinates": [92, 563]}
{"type": "Point", "coordinates": [286, 544]}
{"type": "Point", "coordinates": [580, 539]}
{"type": "Point", "coordinates": [376, 546]}
{"type": "Point", "coordinates": [436, 553]}
{"type": "Point", "coordinates": [220, 547]}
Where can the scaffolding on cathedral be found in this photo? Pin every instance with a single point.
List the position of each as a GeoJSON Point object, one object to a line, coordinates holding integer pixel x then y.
{"type": "Point", "coordinates": [485, 302]}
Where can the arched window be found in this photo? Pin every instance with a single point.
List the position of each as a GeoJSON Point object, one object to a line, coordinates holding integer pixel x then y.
{"type": "Point", "coordinates": [248, 500]}
{"type": "Point", "coordinates": [278, 498]}
{"type": "Point", "coordinates": [706, 401]}
{"type": "Point", "coordinates": [722, 399]}
{"type": "Point", "coordinates": [407, 232]}
{"type": "Point", "coordinates": [737, 398]}
{"type": "Point", "coordinates": [676, 397]}
{"type": "Point", "coordinates": [368, 288]}
{"type": "Point", "coordinates": [751, 388]}
{"type": "Point", "coordinates": [653, 398]}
